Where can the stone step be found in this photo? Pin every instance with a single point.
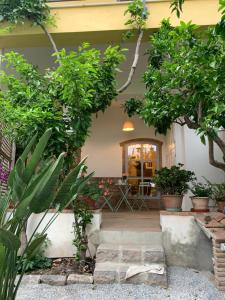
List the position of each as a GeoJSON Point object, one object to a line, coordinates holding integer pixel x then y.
{"type": "Point", "coordinates": [130, 237]}
{"type": "Point", "coordinates": [107, 272]}
{"type": "Point", "coordinates": [129, 253]}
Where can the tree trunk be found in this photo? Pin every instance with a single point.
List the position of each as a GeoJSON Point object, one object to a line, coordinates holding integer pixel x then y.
{"type": "Point", "coordinates": [23, 240]}
{"type": "Point", "coordinates": [134, 64]}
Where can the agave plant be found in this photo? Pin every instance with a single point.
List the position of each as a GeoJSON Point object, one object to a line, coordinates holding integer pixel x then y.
{"type": "Point", "coordinates": [35, 186]}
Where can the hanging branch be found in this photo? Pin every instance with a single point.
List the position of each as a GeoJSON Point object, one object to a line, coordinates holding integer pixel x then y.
{"type": "Point", "coordinates": [134, 64]}
{"type": "Point", "coordinates": [219, 142]}
{"type": "Point", "coordinates": [49, 36]}
{"type": "Point", "coordinates": [138, 16]}
{"type": "Point", "coordinates": [212, 160]}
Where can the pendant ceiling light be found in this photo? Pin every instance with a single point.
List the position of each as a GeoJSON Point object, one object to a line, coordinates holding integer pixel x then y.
{"type": "Point", "coordinates": [128, 126]}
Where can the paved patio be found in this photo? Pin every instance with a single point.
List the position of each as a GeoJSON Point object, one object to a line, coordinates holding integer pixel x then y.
{"type": "Point", "coordinates": [126, 220]}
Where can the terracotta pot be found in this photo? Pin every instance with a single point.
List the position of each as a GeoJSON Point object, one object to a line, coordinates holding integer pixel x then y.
{"type": "Point", "coordinates": [220, 206]}
{"type": "Point", "coordinates": [200, 203]}
{"type": "Point", "coordinates": [172, 202]}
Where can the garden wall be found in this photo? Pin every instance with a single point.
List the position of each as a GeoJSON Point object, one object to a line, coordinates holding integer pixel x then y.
{"type": "Point", "coordinates": [184, 242]}
{"type": "Point", "coordinates": [61, 233]}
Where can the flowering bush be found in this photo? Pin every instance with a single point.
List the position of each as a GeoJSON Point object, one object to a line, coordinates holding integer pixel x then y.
{"type": "Point", "coordinates": [104, 185]}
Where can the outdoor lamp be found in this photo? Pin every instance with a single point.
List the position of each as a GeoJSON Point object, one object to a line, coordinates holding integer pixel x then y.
{"type": "Point", "coordinates": [128, 126]}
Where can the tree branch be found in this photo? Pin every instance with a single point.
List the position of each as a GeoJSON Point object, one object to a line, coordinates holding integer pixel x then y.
{"type": "Point", "coordinates": [49, 36]}
{"type": "Point", "coordinates": [134, 64]}
{"type": "Point", "coordinates": [199, 111]}
{"type": "Point", "coordinates": [212, 160]}
{"type": "Point", "coordinates": [190, 124]}
{"type": "Point", "coordinates": [219, 142]}
{"type": "Point", "coordinates": [180, 122]}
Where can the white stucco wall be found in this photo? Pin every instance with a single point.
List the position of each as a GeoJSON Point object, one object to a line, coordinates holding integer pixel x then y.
{"type": "Point", "coordinates": [194, 155]}
{"type": "Point", "coordinates": [103, 145]}
{"type": "Point", "coordinates": [61, 233]}
{"type": "Point", "coordinates": [184, 242]}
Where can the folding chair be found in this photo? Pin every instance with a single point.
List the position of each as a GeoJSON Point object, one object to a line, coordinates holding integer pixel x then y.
{"type": "Point", "coordinates": [141, 198]}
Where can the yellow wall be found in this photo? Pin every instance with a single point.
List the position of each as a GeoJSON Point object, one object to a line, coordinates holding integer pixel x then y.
{"type": "Point", "coordinates": [79, 20]}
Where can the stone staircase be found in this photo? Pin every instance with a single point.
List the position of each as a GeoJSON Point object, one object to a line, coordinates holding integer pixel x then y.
{"type": "Point", "coordinates": [114, 259]}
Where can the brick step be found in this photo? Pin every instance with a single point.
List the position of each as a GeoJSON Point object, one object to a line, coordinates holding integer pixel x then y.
{"type": "Point", "coordinates": [107, 272]}
{"type": "Point", "coordinates": [129, 253]}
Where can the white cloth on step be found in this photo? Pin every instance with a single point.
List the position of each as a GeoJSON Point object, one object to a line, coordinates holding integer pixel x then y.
{"type": "Point", "coordinates": [147, 268]}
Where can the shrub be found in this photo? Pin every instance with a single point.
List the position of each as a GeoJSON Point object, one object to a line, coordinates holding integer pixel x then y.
{"type": "Point", "coordinates": [174, 180]}
{"type": "Point", "coordinates": [201, 189]}
{"type": "Point", "coordinates": [218, 192]}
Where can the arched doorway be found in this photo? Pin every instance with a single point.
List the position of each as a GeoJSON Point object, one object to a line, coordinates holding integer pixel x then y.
{"type": "Point", "coordinates": [141, 158]}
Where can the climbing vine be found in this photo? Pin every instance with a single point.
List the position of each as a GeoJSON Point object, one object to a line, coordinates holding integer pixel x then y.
{"type": "Point", "coordinates": [19, 11]}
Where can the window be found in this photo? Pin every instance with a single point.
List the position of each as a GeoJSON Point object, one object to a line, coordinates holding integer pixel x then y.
{"type": "Point", "coordinates": [141, 159]}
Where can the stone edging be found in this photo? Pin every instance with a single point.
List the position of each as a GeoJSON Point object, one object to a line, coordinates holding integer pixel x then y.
{"type": "Point", "coordinates": [58, 280]}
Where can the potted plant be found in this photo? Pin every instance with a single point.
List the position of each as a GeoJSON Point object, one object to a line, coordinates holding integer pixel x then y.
{"type": "Point", "coordinates": [218, 194]}
{"type": "Point", "coordinates": [201, 193]}
{"type": "Point", "coordinates": [173, 184]}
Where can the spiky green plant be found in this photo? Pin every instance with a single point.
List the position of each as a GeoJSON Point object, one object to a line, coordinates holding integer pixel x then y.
{"type": "Point", "coordinates": [34, 187]}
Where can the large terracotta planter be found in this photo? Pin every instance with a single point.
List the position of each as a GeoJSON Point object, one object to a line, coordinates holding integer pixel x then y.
{"type": "Point", "coordinates": [220, 206]}
{"type": "Point", "coordinates": [200, 203]}
{"type": "Point", "coordinates": [172, 202]}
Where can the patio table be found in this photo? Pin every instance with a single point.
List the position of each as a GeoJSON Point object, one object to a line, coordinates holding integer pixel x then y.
{"type": "Point", "coordinates": [107, 201]}
{"type": "Point", "coordinates": [124, 190]}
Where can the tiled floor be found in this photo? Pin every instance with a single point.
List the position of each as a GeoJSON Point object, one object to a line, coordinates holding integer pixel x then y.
{"type": "Point", "coordinates": [131, 221]}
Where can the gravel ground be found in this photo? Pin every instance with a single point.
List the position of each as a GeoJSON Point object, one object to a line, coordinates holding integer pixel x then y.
{"type": "Point", "coordinates": [184, 284]}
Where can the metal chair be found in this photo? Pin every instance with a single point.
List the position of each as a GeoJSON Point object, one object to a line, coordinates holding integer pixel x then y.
{"type": "Point", "coordinates": [141, 197]}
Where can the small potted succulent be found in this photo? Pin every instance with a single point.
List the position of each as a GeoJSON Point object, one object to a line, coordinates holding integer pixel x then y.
{"type": "Point", "coordinates": [201, 194]}
{"type": "Point", "coordinates": [173, 183]}
{"type": "Point", "coordinates": [218, 194]}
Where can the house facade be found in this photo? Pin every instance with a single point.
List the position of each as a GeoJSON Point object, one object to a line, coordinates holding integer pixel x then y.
{"type": "Point", "coordinates": [113, 152]}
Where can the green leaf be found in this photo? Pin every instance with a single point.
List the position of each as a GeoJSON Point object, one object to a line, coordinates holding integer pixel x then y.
{"type": "Point", "coordinates": [18, 183]}
{"type": "Point", "coordinates": [4, 203]}
{"type": "Point", "coordinates": [22, 159]}
{"type": "Point", "coordinates": [34, 182]}
{"type": "Point", "coordinates": [28, 148]}
{"type": "Point", "coordinates": [64, 192]}
{"type": "Point", "coordinates": [22, 209]}
{"type": "Point", "coordinates": [48, 185]}
{"type": "Point", "coordinates": [202, 137]}
{"type": "Point", "coordinates": [36, 156]}
{"type": "Point", "coordinates": [9, 240]}
{"type": "Point", "coordinates": [35, 246]}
